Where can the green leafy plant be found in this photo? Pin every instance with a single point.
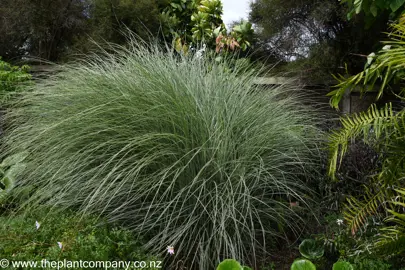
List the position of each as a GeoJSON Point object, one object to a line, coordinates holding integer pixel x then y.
{"type": "Point", "coordinates": [372, 8]}
{"type": "Point", "coordinates": [239, 38]}
{"type": "Point", "coordinates": [383, 129]}
{"type": "Point", "coordinates": [191, 23]}
{"type": "Point", "coordinates": [180, 150]}
{"type": "Point", "coordinates": [206, 19]}
{"type": "Point", "coordinates": [371, 264]}
{"type": "Point", "coordinates": [231, 264]}
{"type": "Point", "coordinates": [11, 79]}
{"type": "Point", "coordinates": [311, 249]}
{"type": "Point", "coordinates": [302, 264]}
{"type": "Point", "coordinates": [385, 66]}
{"type": "Point", "coordinates": [392, 238]}
{"type": "Point", "coordinates": [387, 133]}
{"type": "Point", "coordinates": [314, 250]}
{"type": "Point", "coordinates": [342, 265]}
{"type": "Point", "coordinates": [243, 33]}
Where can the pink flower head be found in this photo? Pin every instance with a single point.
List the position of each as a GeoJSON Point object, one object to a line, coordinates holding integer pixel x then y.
{"type": "Point", "coordinates": [170, 250]}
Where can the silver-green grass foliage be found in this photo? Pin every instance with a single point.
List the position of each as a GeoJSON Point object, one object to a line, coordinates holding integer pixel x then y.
{"type": "Point", "coordinates": [183, 150]}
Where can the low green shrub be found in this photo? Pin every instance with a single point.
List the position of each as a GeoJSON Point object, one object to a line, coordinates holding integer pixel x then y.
{"type": "Point", "coordinates": [314, 250]}
{"type": "Point", "coordinates": [371, 264]}
{"type": "Point", "coordinates": [11, 79]}
{"type": "Point", "coordinates": [299, 264]}
{"type": "Point", "coordinates": [182, 150]}
{"type": "Point", "coordinates": [346, 249]}
{"type": "Point", "coordinates": [57, 236]}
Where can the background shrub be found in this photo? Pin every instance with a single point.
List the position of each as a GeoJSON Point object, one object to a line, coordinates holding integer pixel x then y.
{"type": "Point", "coordinates": [11, 79]}
{"type": "Point", "coordinates": [372, 264]}
{"type": "Point", "coordinates": [182, 150]}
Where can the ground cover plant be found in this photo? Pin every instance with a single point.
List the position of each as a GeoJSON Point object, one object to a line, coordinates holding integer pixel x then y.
{"type": "Point", "coordinates": [63, 236]}
{"type": "Point", "coordinates": [182, 150]}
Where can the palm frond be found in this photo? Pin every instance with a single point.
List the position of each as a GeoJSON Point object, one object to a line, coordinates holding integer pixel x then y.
{"type": "Point", "coordinates": [385, 66]}
{"type": "Point", "coordinates": [380, 128]}
{"type": "Point", "coordinates": [384, 130]}
{"type": "Point", "coordinates": [370, 124]}
{"type": "Point", "coordinates": [358, 210]}
{"type": "Point", "coordinates": [391, 240]}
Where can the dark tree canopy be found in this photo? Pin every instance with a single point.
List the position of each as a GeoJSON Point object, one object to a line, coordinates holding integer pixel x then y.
{"type": "Point", "coordinates": [316, 33]}
{"type": "Point", "coordinates": [40, 28]}
{"type": "Point", "coordinates": [48, 29]}
{"type": "Point", "coordinates": [109, 18]}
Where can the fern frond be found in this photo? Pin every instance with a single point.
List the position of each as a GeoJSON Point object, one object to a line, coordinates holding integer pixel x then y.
{"type": "Point", "coordinates": [392, 238]}
{"type": "Point", "coordinates": [392, 242]}
{"type": "Point", "coordinates": [398, 218]}
{"type": "Point", "coordinates": [344, 84]}
{"type": "Point", "coordinates": [372, 123]}
{"type": "Point", "coordinates": [358, 210]}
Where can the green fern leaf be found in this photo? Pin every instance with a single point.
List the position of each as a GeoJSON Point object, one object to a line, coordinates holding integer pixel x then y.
{"type": "Point", "coordinates": [357, 211]}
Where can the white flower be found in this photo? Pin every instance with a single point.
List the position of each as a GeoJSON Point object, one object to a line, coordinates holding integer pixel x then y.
{"type": "Point", "coordinates": [339, 222]}
{"type": "Point", "coordinates": [60, 245]}
{"type": "Point", "coordinates": [37, 224]}
{"type": "Point", "coordinates": [170, 250]}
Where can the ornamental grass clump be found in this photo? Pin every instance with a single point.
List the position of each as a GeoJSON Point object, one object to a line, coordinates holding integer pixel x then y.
{"type": "Point", "coordinates": [182, 150]}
